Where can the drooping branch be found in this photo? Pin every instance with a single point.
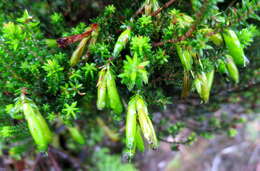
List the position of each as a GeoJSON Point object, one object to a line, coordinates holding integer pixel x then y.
{"type": "Point", "coordinates": [188, 34]}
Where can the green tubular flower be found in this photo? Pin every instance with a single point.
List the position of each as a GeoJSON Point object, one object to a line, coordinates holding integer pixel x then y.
{"type": "Point", "coordinates": [232, 69]}
{"type": "Point", "coordinates": [114, 99]}
{"type": "Point", "coordinates": [210, 78]}
{"type": "Point", "coordinates": [76, 135]}
{"type": "Point", "coordinates": [181, 19]}
{"type": "Point", "coordinates": [107, 99]}
{"type": "Point", "coordinates": [216, 39]}
{"type": "Point", "coordinates": [130, 152]}
{"type": "Point", "coordinates": [121, 42]}
{"type": "Point", "coordinates": [36, 123]}
{"type": "Point", "coordinates": [221, 66]}
{"type": "Point", "coordinates": [139, 139]}
{"type": "Point", "coordinates": [102, 90]}
{"type": "Point", "coordinates": [234, 48]}
{"type": "Point", "coordinates": [197, 84]}
{"type": "Point", "coordinates": [78, 52]}
{"type": "Point", "coordinates": [131, 124]}
{"type": "Point", "coordinates": [202, 86]}
{"type": "Point", "coordinates": [94, 37]}
{"type": "Point", "coordinates": [145, 123]}
{"type": "Point", "coordinates": [148, 7]}
{"type": "Point", "coordinates": [156, 5]}
{"type": "Point", "coordinates": [185, 57]}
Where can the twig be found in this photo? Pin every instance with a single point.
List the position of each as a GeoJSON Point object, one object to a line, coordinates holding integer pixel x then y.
{"type": "Point", "coordinates": [53, 160]}
{"type": "Point", "coordinates": [75, 163]}
{"type": "Point", "coordinates": [231, 4]}
{"type": "Point", "coordinates": [166, 5]}
{"type": "Point", "coordinates": [165, 77]}
{"type": "Point", "coordinates": [38, 158]}
{"type": "Point", "coordinates": [250, 85]}
{"type": "Point", "coordinates": [9, 69]}
{"type": "Point", "coordinates": [173, 142]}
{"type": "Point", "coordinates": [237, 20]}
{"type": "Point", "coordinates": [139, 11]}
{"type": "Point", "coordinates": [2, 165]}
{"type": "Point", "coordinates": [199, 16]}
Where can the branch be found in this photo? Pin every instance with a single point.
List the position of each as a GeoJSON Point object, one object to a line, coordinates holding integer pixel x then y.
{"type": "Point", "coordinates": [36, 162]}
{"type": "Point", "coordinates": [75, 163]}
{"type": "Point", "coordinates": [166, 5]}
{"type": "Point", "coordinates": [65, 41]}
{"type": "Point", "coordinates": [174, 142]}
{"type": "Point", "coordinates": [199, 16]}
{"type": "Point", "coordinates": [251, 84]}
{"type": "Point", "coordinates": [53, 160]}
{"type": "Point", "coordinates": [139, 11]}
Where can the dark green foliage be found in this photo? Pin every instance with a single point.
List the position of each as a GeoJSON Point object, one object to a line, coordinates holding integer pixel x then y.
{"type": "Point", "coordinates": [147, 64]}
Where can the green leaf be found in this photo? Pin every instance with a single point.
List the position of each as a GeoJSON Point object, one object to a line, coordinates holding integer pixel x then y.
{"type": "Point", "coordinates": [70, 110]}
{"type": "Point", "coordinates": [134, 73]}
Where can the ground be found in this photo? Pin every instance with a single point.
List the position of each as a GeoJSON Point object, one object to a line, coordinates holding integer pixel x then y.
{"type": "Point", "coordinates": [221, 153]}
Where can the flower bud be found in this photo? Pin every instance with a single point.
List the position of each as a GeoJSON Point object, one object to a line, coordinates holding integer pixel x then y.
{"type": "Point", "coordinates": [145, 123]}
{"type": "Point", "coordinates": [139, 139]}
{"type": "Point", "coordinates": [185, 57]}
{"type": "Point", "coordinates": [114, 99]}
{"type": "Point", "coordinates": [78, 52]}
{"type": "Point", "coordinates": [36, 123]}
{"type": "Point", "coordinates": [202, 86]}
{"type": "Point", "coordinates": [234, 48]}
{"type": "Point", "coordinates": [101, 91]}
{"type": "Point", "coordinates": [232, 69]}
{"type": "Point", "coordinates": [131, 123]}
{"type": "Point", "coordinates": [76, 135]}
{"type": "Point", "coordinates": [121, 42]}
